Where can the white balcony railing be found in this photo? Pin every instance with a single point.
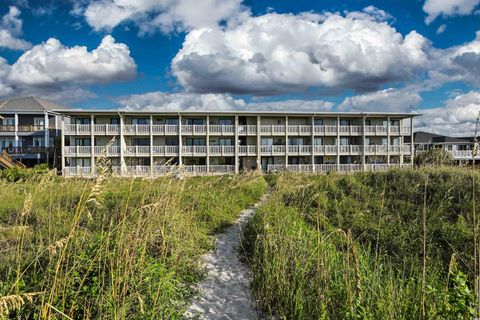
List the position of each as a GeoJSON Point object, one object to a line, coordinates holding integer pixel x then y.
{"type": "Point", "coordinates": [223, 169]}
{"type": "Point", "coordinates": [138, 170]}
{"type": "Point", "coordinates": [300, 129]}
{"type": "Point", "coordinates": [110, 151]}
{"type": "Point", "coordinates": [272, 129]}
{"type": "Point", "coordinates": [77, 151]}
{"type": "Point", "coordinates": [77, 129]}
{"type": "Point", "coordinates": [137, 150]}
{"type": "Point", "coordinates": [222, 150]}
{"type": "Point", "coordinates": [247, 129]}
{"type": "Point", "coordinates": [299, 149]}
{"type": "Point", "coordinates": [78, 171]}
{"type": "Point", "coordinates": [247, 150]}
{"type": "Point", "coordinates": [221, 129]}
{"type": "Point", "coordinates": [194, 150]}
{"type": "Point", "coordinates": [272, 150]}
{"type": "Point", "coordinates": [194, 129]}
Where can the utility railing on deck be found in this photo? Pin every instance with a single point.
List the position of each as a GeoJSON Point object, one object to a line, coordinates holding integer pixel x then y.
{"type": "Point", "coordinates": [463, 154]}
{"type": "Point", "coordinates": [299, 149]}
{"type": "Point", "coordinates": [247, 150]}
{"type": "Point", "coordinates": [300, 129]}
{"type": "Point", "coordinates": [325, 149]}
{"type": "Point", "coordinates": [110, 151]}
{"type": "Point", "coordinates": [273, 129]}
{"type": "Point", "coordinates": [78, 151]}
{"type": "Point", "coordinates": [218, 129]}
{"type": "Point", "coordinates": [165, 150]}
{"type": "Point", "coordinates": [272, 150]}
{"type": "Point", "coordinates": [194, 129]}
{"type": "Point", "coordinates": [137, 150]}
{"type": "Point", "coordinates": [77, 129]}
{"type": "Point", "coordinates": [107, 129]}
{"type": "Point", "coordinates": [247, 129]}
{"type": "Point", "coordinates": [341, 168]}
{"type": "Point", "coordinates": [222, 150]}
{"type": "Point", "coordinates": [194, 150]}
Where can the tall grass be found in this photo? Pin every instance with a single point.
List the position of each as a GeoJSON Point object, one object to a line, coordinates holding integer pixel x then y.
{"type": "Point", "coordinates": [110, 248]}
{"type": "Point", "coordinates": [393, 245]}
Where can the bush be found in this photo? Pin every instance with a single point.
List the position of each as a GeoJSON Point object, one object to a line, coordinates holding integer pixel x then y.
{"type": "Point", "coordinates": [433, 157]}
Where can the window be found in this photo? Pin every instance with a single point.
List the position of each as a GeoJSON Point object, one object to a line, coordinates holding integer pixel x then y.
{"type": "Point", "coordinates": [196, 122]}
{"type": "Point", "coordinates": [39, 141]}
{"type": "Point", "coordinates": [368, 122]}
{"type": "Point", "coordinates": [141, 141]}
{"type": "Point", "coordinates": [345, 141]}
{"type": "Point", "coordinates": [82, 120]}
{"type": "Point", "coordinates": [114, 120]}
{"type": "Point", "coordinates": [318, 122]}
{"type": "Point", "coordinates": [171, 121]}
{"type": "Point", "coordinates": [7, 143]}
{"type": "Point", "coordinates": [225, 122]}
{"type": "Point", "coordinates": [394, 122]}
{"type": "Point", "coordinates": [39, 122]}
{"type": "Point", "coordinates": [267, 141]}
{"type": "Point", "coordinates": [318, 141]}
{"type": "Point", "coordinates": [295, 141]}
{"type": "Point", "coordinates": [85, 142]}
{"type": "Point", "coordinates": [171, 141]}
{"type": "Point", "coordinates": [8, 121]}
{"type": "Point", "coordinates": [225, 142]}
{"type": "Point", "coordinates": [140, 121]}
{"type": "Point", "coordinates": [346, 122]}
{"type": "Point", "coordinates": [195, 142]}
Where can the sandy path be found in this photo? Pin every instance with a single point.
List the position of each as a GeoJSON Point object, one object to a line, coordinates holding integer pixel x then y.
{"type": "Point", "coordinates": [225, 293]}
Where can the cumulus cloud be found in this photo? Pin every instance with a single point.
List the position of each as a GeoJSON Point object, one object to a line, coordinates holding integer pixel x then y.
{"type": "Point", "coordinates": [161, 101]}
{"type": "Point", "coordinates": [163, 15]}
{"type": "Point", "coordinates": [458, 63]}
{"type": "Point", "coordinates": [457, 117]}
{"type": "Point", "coordinates": [278, 53]}
{"type": "Point", "coordinates": [11, 30]}
{"type": "Point", "coordinates": [447, 8]}
{"type": "Point", "coordinates": [51, 63]}
{"type": "Point", "coordinates": [388, 100]}
{"type": "Point", "coordinates": [51, 69]}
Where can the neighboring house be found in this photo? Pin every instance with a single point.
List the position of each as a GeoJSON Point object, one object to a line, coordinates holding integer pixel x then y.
{"type": "Point", "coordinates": [459, 147]}
{"type": "Point", "coordinates": [30, 130]}
{"type": "Point", "coordinates": [147, 143]}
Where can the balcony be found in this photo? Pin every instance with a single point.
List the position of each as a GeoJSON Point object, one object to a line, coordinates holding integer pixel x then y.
{"type": "Point", "coordinates": [194, 151]}
{"type": "Point", "coordinates": [463, 154]}
{"type": "Point", "coordinates": [77, 151]}
{"type": "Point", "coordinates": [222, 150]}
{"type": "Point", "coordinates": [165, 151]}
{"type": "Point", "coordinates": [272, 129]}
{"type": "Point", "coordinates": [7, 128]}
{"type": "Point", "coordinates": [108, 151]}
{"type": "Point", "coordinates": [221, 130]}
{"type": "Point", "coordinates": [136, 129]}
{"type": "Point", "coordinates": [247, 150]}
{"type": "Point", "coordinates": [30, 128]}
{"type": "Point", "coordinates": [327, 130]}
{"type": "Point", "coordinates": [350, 149]}
{"type": "Point", "coordinates": [350, 130]}
{"type": "Point", "coordinates": [299, 149]}
{"type": "Point", "coordinates": [77, 129]}
{"type": "Point", "coordinates": [340, 168]}
{"type": "Point", "coordinates": [272, 150]}
{"type": "Point", "coordinates": [107, 129]}
{"type": "Point", "coordinates": [142, 151]}
{"type": "Point", "coordinates": [29, 150]}
{"type": "Point", "coordinates": [247, 130]}
{"type": "Point", "coordinates": [194, 129]}
{"type": "Point", "coordinates": [300, 130]}
{"type": "Point", "coordinates": [325, 149]}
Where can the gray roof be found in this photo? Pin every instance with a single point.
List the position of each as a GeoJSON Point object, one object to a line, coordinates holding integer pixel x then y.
{"type": "Point", "coordinates": [427, 137]}
{"type": "Point", "coordinates": [28, 104]}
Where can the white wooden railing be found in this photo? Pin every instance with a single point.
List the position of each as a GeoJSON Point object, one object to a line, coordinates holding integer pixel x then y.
{"type": "Point", "coordinates": [247, 150]}
{"type": "Point", "coordinates": [222, 150]}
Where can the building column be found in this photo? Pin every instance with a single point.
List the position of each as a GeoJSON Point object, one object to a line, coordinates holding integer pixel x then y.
{"type": "Point", "coordinates": [286, 142]}
{"type": "Point", "coordinates": [412, 147]}
{"type": "Point", "coordinates": [237, 159]}
{"type": "Point", "coordinates": [338, 143]}
{"type": "Point", "coordinates": [151, 145]}
{"type": "Point", "coordinates": [17, 144]}
{"type": "Point", "coordinates": [207, 159]}
{"type": "Point", "coordinates": [123, 166]}
{"type": "Point", "coordinates": [363, 144]}
{"type": "Point", "coordinates": [62, 145]}
{"type": "Point", "coordinates": [259, 158]}
{"type": "Point", "coordinates": [313, 143]}
{"type": "Point", "coordinates": [92, 144]}
{"type": "Point", "coordinates": [401, 151]}
{"type": "Point", "coordinates": [47, 137]}
{"type": "Point", "coordinates": [388, 141]}
{"type": "Point", "coordinates": [180, 162]}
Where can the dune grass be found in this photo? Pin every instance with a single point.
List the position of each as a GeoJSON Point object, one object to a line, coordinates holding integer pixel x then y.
{"type": "Point", "coordinates": [390, 245]}
{"type": "Point", "coordinates": [110, 248]}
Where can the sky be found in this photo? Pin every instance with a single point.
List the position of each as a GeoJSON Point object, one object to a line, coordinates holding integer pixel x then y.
{"type": "Point", "coordinates": [361, 56]}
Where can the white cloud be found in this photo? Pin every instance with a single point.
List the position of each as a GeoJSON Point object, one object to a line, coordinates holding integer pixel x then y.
{"type": "Point", "coordinates": [441, 29]}
{"type": "Point", "coordinates": [163, 15]}
{"type": "Point", "coordinates": [53, 64]}
{"type": "Point", "coordinates": [161, 101]}
{"type": "Point", "coordinates": [456, 118]}
{"type": "Point", "coordinates": [11, 30]}
{"type": "Point", "coordinates": [447, 8]}
{"type": "Point", "coordinates": [278, 53]}
{"type": "Point", "coordinates": [458, 63]}
{"type": "Point", "coordinates": [388, 100]}
{"type": "Point", "coordinates": [55, 71]}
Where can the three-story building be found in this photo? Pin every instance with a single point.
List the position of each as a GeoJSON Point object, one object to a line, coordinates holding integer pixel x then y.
{"type": "Point", "coordinates": [29, 130]}
{"type": "Point", "coordinates": [154, 143]}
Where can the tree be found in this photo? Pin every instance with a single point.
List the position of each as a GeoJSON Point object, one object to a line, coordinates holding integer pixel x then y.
{"type": "Point", "coordinates": [433, 157]}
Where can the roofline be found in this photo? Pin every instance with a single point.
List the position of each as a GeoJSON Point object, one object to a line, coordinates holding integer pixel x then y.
{"type": "Point", "coordinates": [304, 113]}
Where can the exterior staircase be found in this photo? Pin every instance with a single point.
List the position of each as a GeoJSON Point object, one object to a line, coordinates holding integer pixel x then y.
{"type": "Point", "coordinates": [6, 161]}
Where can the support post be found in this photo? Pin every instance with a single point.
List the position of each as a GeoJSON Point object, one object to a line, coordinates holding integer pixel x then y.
{"type": "Point", "coordinates": [313, 143]}
{"type": "Point", "coordinates": [237, 160]}
{"type": "Point", "coordinates": [363, 143]}
{"type": "Point", "coordinates": [92, 145]}
{"type": "Point", "coordinates": [180, 162]}
{"type": "Point", "coordinates": [16, 131]}
{"type": "Point", "coordinates": [207, 159]}
{"type": "Point", "coordinates": [151, 145]}
{"type": "Point", "coordinates": [412, 146]}
{"type": "Point", "coordinates": [62, 145]}
{"type": "Point", "coordinates": [286, 141]}
{"type": "Point", "coordinates": [123, 166]}
{"type": "Point", "coordinates": [388, 141]}
{"type": "Point", "coordinates": [46, 132]}
{"type": "Point", "coordinates": [338, 143]}
{"type": "Point", "coordinates": [259, 159]}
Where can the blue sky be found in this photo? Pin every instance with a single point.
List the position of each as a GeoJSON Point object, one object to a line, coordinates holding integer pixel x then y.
{"type": "Point", "coordinates": [413, 55]}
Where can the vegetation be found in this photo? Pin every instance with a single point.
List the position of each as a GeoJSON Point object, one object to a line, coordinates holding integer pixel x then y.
{"type": "Point", "coordinates": [433, 157]}
{"type": "Point", "coordinates": [17, 173]}
{"type": "Point", "coordinates": [109, 248]}
{"type": "Point", "coordinates": [385, 245]}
